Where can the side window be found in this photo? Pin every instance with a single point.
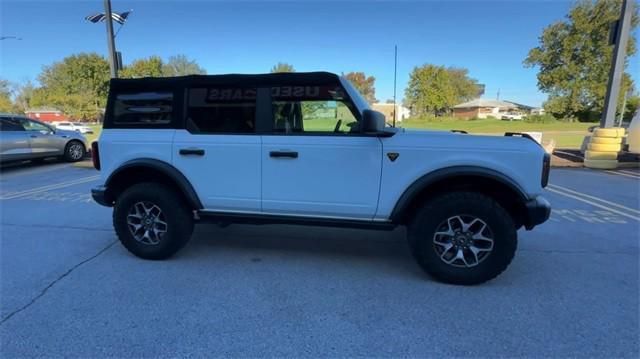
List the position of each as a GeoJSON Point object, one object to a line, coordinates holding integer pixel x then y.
{"type": "Point", "coordinates": [312, 109]}
{"type": "Point", "coordinates": [10, 124]}
{"type": "Point", "coordinates": [143, 108]}
{"type": "Point", "coordinates": [221, 110]}
{"type": "Point", "coordinates": [34, 126]}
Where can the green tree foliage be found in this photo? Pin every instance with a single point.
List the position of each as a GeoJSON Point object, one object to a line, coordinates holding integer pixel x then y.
{"type": "Point", "coordinates": [5, 96]}
{"type": "Point", "coordinates": [365, 85]}
{"type": "Point", "coordinates": [77, 85]}
{"type": "Point", "coordinates": [464, 86]}
{"type": "Point", "coordinates": [24, 95]}
{"type": "Point", "coordinates": [435, 89]}
{"type": "Point", "coordinates": [180, 65]}
{"type": "Point", "coordinates": [282, 67]}
{"type": "Point", "coordinates": [633, 105]}
{"type": "Point", "coordinates": [574, 58]}
{"type": "Point", "coordinates": [149, 67]}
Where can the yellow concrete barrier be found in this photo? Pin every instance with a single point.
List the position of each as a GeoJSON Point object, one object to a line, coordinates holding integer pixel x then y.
{"type": "Point", "coordinates": [601, 164]}
{"type": "Point", "coordinates": [607, 140]}
{"type": "Point", "coordinates": [601, 147]}
{"type": "Point", "coordinates": [600, 155]}
{"type": "Point", "coordinates": [609, 132]}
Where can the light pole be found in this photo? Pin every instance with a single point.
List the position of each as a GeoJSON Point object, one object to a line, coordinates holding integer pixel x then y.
{"type": "Point", "coordinates": [617, 64]}
{"type": "Point", "coordinates": [110, 40]}
{"type": "Point", "coordinates": [115, 60]}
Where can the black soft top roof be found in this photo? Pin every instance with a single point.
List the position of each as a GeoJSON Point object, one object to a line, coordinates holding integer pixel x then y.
{"type": "Point", "coordinates": [271, 79]}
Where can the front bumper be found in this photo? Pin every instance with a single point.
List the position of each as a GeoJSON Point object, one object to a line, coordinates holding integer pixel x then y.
{"type": "Point", "coordinates": [538, 211]}
{"type": "Point", "coordinates": [99, 195]}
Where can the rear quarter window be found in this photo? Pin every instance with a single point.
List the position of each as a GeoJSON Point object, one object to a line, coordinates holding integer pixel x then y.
{"type": "Point", "coordinates": [143, 109]}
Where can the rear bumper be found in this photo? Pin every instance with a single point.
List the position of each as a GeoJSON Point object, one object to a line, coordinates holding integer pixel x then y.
{"type": "Point", "coordinates": [538, 211]}
{"type": "Point", "coordinates": [99, 195]}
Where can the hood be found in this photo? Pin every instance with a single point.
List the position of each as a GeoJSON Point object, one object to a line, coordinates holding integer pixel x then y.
{"type": "Point", "coordinates": [441, 138]}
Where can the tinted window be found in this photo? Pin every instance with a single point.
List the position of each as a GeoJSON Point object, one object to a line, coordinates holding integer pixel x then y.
{"type": "Point", "coordinates": [34, 126]}
{"type": "Point", "coordinates": [222, 110]}
{"type": "Point", "coordinates": [143, 108]}
{"type": "Point", "coordinates": [299, 109]}
{"type": "Point", "coordinates": [10, 124]}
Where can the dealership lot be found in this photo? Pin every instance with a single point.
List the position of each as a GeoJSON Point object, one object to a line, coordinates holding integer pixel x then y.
{"type": "Point", "coordinates": [69, 289]}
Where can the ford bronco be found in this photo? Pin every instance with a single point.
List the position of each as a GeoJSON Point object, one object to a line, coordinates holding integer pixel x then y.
{"type": "Point", "coordinates": [305, 148]}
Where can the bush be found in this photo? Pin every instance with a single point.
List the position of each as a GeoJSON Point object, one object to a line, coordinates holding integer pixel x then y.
{"type": "Point", "coordinates": [546, 118]}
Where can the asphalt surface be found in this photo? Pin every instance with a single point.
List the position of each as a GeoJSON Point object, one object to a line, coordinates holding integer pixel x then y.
{"type": "Point", "coordinates": [68, 288]}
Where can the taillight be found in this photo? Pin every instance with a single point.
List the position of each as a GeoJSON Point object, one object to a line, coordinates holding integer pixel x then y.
{"type": "Point", "coordinates": [95, 155]}
{"type": "Point", "coordinates": [546, 167]}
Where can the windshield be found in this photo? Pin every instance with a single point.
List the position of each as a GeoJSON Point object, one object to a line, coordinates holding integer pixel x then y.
{"type": "Point", "coordinates": [357, 98]}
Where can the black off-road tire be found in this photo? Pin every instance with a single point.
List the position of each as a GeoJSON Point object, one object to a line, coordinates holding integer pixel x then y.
{"type": "Point", "coordinates": [71, 153]}
{"type": "Point", "coordinates": [437, 211]}
{"type": "Point", "coordinates": [177, 215]}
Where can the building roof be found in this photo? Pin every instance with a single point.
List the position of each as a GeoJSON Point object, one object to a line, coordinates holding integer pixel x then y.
{"type": "Point", "coordinates": [481, 102]}
{"type": "Point", "coordinates": [43, 109]}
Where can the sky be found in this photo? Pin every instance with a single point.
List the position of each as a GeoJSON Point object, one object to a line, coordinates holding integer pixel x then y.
{"type": "Point", "coordinates": [489, 38]}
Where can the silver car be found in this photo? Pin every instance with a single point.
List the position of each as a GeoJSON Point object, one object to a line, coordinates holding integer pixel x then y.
{"type": "Point", "coordinates": [22, 138]}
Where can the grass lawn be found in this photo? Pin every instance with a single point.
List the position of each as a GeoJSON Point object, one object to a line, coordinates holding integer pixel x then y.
{"type": "Point", "coordinates": [96, 132]}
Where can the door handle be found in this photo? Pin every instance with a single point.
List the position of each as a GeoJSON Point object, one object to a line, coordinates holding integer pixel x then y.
{"type": "Point", "coordinates": [192, 152]}
{"type": "Point", "coordinates": [288, 154]}
{"type": "Point", "coordinates": [34, 136]}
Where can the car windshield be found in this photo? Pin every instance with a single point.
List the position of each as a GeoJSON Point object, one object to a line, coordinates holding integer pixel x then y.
{"type": "Point", "coordinates": [77, 124]}
{"type": "Point", "coordinates": [355, 95]}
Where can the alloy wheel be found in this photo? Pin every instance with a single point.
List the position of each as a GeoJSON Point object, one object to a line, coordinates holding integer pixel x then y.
{"type": "Point", "coordinates": [147, 222]}
{"type": "Point", "coordinates": [463, 241]}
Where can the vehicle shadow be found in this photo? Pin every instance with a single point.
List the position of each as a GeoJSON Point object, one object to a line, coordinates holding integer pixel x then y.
{"type": "Point", "coordinates": [376, 250]}
{"type": "Point", "coordinates": [29, 164]}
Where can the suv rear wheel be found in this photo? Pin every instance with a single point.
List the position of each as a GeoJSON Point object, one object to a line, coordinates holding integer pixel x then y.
{"type": "Point", "coordinates": [463, 238]}
{"type": "Point", "coordinates": [152, 221]}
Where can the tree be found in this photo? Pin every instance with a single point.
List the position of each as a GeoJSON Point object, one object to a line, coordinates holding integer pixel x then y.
{"type": "Point", "coordinates": [435, 89]}
{"type": "Point", "coordinates": [5, 96]}
{"type": "Point", "coordinates": [574, 58]}
{"type": "Point", "coordinates": [150, 67]}
{"type": "Point", "coordinates": [430, 90]}
{"type": "Point", "coordinates": [465, 87]}
{"type": "Point", "coordinates": [282, 67]}
{"type": "Point", "coordinates": [77, 85]}
{"type": "Point", "coordinates": [389, 100]}
{"type": "Point", "coordinates": [180, 65]}
{"type": "Point", "coordinates": [24, 94]}
{"type": "Point", "coordinates": [365, 85]}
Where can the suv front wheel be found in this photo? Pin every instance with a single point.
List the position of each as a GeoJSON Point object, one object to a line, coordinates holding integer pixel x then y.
{"type": "Point", "coordinates": [463, 238]}
{"type": "Point", "coordinates": [152, 221]}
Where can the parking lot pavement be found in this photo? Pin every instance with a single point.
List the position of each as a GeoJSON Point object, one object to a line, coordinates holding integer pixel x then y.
{"type": "Point", "coordinates": [68, 289]}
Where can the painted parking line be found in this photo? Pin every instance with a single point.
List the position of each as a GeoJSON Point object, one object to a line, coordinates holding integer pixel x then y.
{"type": "Point", "coordinates": [628, 174]}
{"type": "Point", "coordinates": [32, 191]}
{"type": "Point", "coordinates": [598, 199]}
{"type": "Point", "coordinates": [596, 202]}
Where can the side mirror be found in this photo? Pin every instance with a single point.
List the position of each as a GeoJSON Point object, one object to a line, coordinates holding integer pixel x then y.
{"type": "Point", "coordinates": [372, 122]}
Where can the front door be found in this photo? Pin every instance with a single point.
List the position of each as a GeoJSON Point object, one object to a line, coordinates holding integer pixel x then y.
{"type": "Point", "coordinates": [219, 150]}
{"type": "Point", "coordinates": [315, 162]}
{"type": "Point", "coordinates": [43, 139]}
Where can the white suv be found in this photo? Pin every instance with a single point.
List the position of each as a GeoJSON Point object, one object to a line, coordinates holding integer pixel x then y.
{"type": "Point", "coordinates": [74, 126]}
{"type": "Point", "coordinates": [304, 148]}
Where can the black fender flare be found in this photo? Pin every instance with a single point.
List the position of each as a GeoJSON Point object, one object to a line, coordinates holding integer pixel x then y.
{"type": "Point", "coordinates": [449, 172]}
{"type": "Point", "coordinates": [174, 174]}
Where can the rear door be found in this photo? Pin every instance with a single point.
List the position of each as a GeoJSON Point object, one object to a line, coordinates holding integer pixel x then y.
{"type": "Point", "coordinates": [219, 149]}
{"type": "Point", "coordinates": [42, 139]}
{"type": "Point", "coordinates": [14, 140]}
{"type": "Point", "coordinates": [315, 162]}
